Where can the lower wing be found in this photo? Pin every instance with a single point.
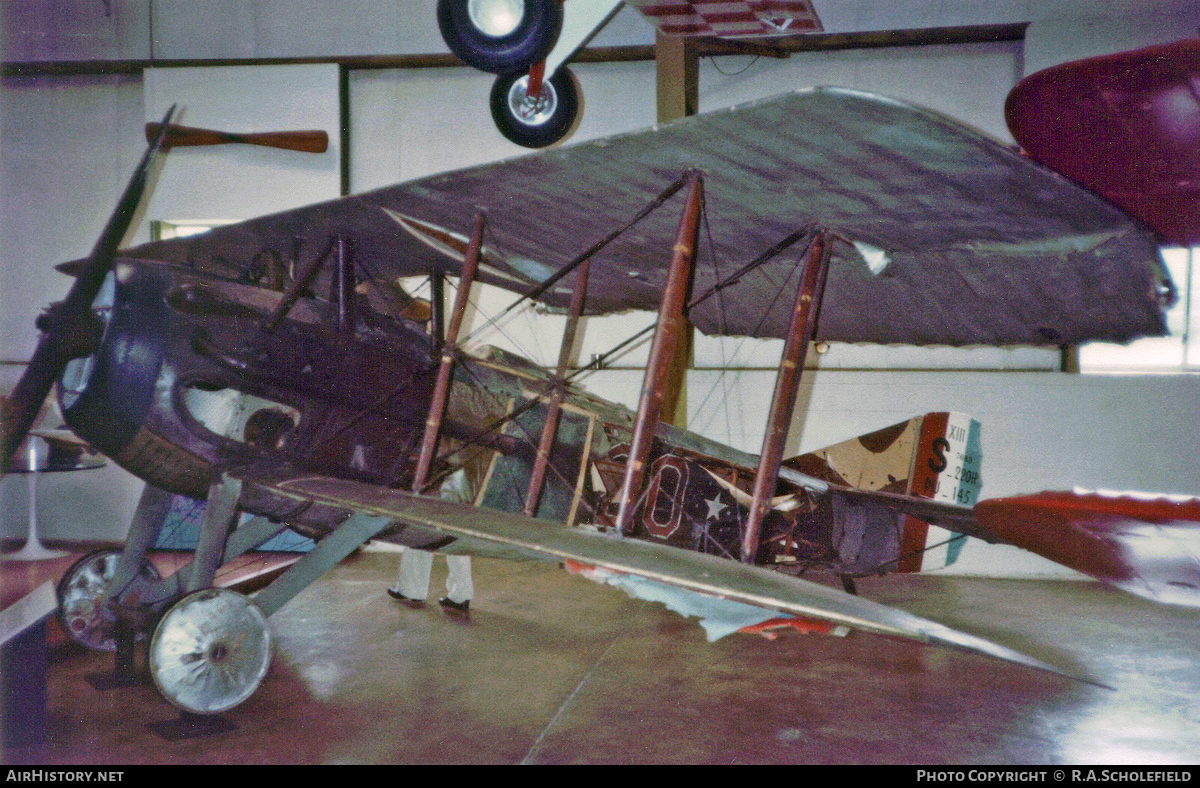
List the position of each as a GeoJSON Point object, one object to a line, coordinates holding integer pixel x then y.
{"type": "Point", "coordinates": [691, 571]}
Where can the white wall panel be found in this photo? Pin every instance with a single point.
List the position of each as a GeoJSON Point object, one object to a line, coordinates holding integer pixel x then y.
{"type": "Point", "coordinates": [185, 29]}
{"type": "Point", "coordinates": [69, 146]}
{"type": "Point", "coordinates": [1051, 41]}
{"type": "Point", "coordinates": [234, 182]}
{"type": "Point", "coordinates": [408, 123]}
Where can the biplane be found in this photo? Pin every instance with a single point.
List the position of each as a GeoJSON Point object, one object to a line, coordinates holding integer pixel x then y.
{"type": "Point", "coordinates": [274, 370]}
{"type": "Point", "coordinates": [535, 100]}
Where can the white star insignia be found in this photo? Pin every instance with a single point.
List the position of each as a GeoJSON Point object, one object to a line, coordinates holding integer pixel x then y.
{"type": "Point", "coordinates": [715, 507]}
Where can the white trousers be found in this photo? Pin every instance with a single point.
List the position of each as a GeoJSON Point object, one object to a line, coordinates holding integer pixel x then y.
{"type": "Point", "coordinates": [416, 566]}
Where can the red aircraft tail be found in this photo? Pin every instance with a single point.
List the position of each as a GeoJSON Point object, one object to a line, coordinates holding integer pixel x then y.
{"type": "Point", "coordinates": [1145, 545]}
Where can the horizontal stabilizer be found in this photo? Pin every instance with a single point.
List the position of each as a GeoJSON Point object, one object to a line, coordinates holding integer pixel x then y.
{"type": "Point", "coordinates": [1146, 545]}
{"type": "Point", "coordinates": [693, 571]}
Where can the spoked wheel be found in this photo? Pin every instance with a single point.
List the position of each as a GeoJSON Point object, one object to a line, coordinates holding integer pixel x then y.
{"type": "Point", "coordinates": [81, 595]}
{"type": "Point", "coordinates": [500, 36]}
{"type": "Point", "coordinates": [210, 651]}
{"type": "Point", "coordinates": [536, 122]}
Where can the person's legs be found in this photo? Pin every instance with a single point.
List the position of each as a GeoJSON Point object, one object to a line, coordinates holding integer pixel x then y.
{"type": "Point", "coordinates": [459, 587]}
{"type": "Point", "coordinates": [412, 581]}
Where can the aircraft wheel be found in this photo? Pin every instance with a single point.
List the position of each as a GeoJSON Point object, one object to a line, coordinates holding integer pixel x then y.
{"type": "Point", "coordinates": [550, 118]}
{"type": "Point", "coordinates": [210, 651]}
{"type": "Point", "coordinates": [500, 36]}
{"type": "Point", "coordinates": [80, 595]}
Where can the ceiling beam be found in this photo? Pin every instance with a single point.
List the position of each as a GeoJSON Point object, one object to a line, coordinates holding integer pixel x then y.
{"type": "Point", "coordinates": [704, 47]}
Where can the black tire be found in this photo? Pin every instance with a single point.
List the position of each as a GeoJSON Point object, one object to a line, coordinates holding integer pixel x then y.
{"type": "Point", "coordinates": [513, 52]}
{"type": "Point", "coordinates": [555, 118]}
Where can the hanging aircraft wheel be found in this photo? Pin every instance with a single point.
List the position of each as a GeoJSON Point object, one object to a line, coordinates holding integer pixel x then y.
{"type": "Point", "coordinates": [536, 123]}
{"type": "Point", "coordinates": [81, 595]}
{"type": "Point", "coordinates": [500, 36]}
{"type": "Point", "coordinates": [210, 651]}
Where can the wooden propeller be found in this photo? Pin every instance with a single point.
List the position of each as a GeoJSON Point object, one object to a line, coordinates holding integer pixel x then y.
{"type": "Point", "coordinates": [183, 136]}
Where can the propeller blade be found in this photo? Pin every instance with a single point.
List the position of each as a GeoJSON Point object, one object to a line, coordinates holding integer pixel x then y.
{"type": "Point", "coordinates": [303, 141]}
{"type": "Point", "coordinates": [68, 327]}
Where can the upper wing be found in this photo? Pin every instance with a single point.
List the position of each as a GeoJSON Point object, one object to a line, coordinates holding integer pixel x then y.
{"type": "Point", "coordinates": [978, 245]}
{"type": "Point", "coordinates": [685, 569]}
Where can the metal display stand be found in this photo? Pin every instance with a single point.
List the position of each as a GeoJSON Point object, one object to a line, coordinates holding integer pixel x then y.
{"type": "Point", "coordinates": [46, 453]}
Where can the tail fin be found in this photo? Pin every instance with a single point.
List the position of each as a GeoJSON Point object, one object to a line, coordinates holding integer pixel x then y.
{"type": "Point", "coordinates": [935, 456]}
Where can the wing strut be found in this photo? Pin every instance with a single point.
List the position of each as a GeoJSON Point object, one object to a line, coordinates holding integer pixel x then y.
{"type": "Point", "coordinates": [671, 322]}
{"type": "Point", "coordinates": [441, 388]}
{"type": "Point", "coordinates": [783, 401]}
{"type": "Point", "coordinates": [550, 428]}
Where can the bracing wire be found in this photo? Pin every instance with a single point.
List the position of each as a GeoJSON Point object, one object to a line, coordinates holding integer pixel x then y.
{"type": "Point", "coordinates": [883, 567]}
{"type": "Point", "coordinates": [592, 250]}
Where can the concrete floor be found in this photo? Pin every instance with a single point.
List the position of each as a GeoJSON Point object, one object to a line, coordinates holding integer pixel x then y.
{"type": "Point", "coordinates": [555, 669]}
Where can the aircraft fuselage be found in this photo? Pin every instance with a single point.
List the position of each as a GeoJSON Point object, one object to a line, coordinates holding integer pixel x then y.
{"type": "Point", "coordinates": [193, 378]}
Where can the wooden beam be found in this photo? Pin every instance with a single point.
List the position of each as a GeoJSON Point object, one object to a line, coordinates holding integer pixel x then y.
{"type": "Point", "coordinates": [809, 42]}
{"type": "Point", "coordinates": [677, 69]}
{"type": "Point", "coordinates": [441, 386]}
{"type": "Point", "coordinates": [537, 477]}
{"type": "Point", "coordinates": [663, 349]}
{"type": "Point", "coordinates": [787, 382]}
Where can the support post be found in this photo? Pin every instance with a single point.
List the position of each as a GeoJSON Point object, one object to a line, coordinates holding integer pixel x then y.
{"type": "Point", "coordinates": [437, 302]}
{"type": "Point", "coordinates": [441, 386]}
{"type": "Point", "coordinates": [342, 285]}
{"type": "Point", "coordinates": [550, 429]}
{"type": "Point", "coordinates": [783, 401]}
{"type": "Point", "coordinates": [677, 76]}
{"type": "Point", "coordinates": [247, 536]}
{"type": "Point", "coordinates": [537, 73]}
{"type": "Point", "coordinates": [148, 519]}
{"type": "Point", "coordinates": [677, 82]}
{"type": "Point", "coordinates": [220, 512]}
{"type": "Point", "coordinates": [667, 336]}
{"type": "Point", "coordinates": [344, 540]}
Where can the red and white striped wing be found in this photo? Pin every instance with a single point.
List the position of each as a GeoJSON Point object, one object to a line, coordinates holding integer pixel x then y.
{"type": "Point", "coordinates": [752, 18]}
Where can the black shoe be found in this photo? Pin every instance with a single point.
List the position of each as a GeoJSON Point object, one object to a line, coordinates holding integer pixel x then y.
{"type": "Point", "coordinates": [394, 594]}
{"type": "Point", "coordinates": [454, 607]}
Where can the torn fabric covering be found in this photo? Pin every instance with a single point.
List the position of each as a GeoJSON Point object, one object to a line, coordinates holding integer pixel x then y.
{"type": "Point", "coordinates": [719, 617]}
{"type": "Point", "coordinates": [982, 246]}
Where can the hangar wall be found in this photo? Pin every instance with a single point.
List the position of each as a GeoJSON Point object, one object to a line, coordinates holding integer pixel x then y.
{"type": "Point", "coordinates": [69, 142]}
